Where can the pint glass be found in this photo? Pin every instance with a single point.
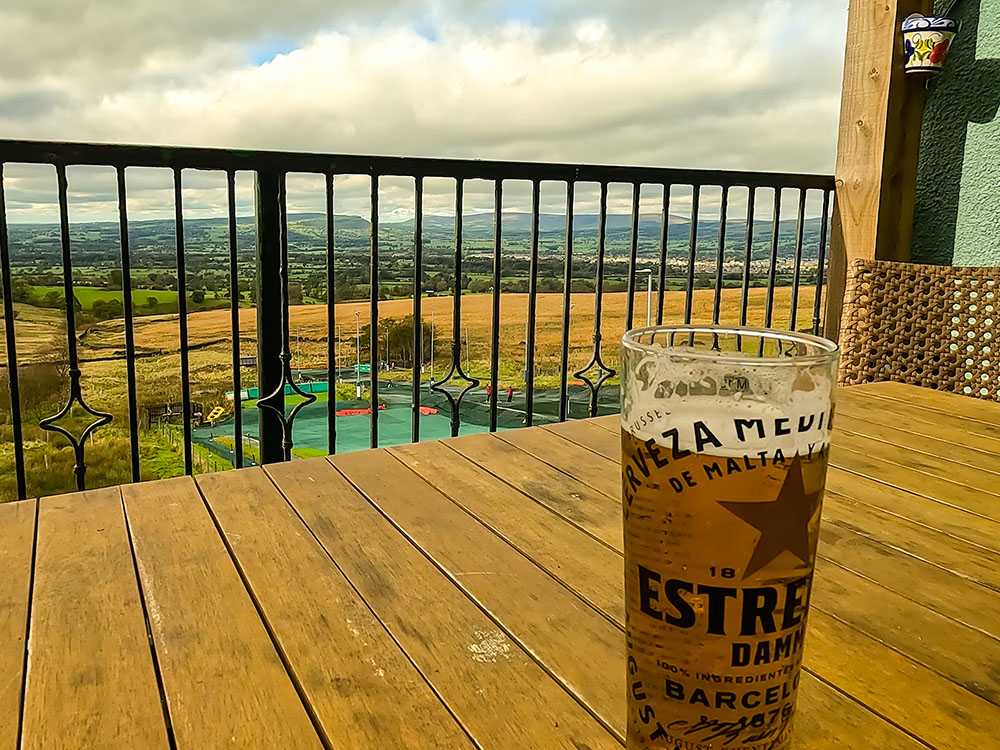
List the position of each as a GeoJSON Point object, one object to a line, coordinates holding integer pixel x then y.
{"type": "Point", "coordinates": [725, 438]}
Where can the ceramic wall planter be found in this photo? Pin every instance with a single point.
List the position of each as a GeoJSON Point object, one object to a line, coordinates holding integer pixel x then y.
{"type": "Point", "coordinates": [926, 41]}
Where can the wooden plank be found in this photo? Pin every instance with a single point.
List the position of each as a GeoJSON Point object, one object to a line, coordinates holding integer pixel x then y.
{"type": "Point", "coordinates": [566, 456]}
{"type": "Point", "coordinates": [909, 476]}
{"type": "Point", "coordinates": [924, 542]}
{"type": "Point", "coordinates": [965, 601]}
{"type": "Point", "coordinates": [949, 427]}
{"type": "Point", "coordinates": [581, 504]}
{"type": "Point", "coordinates": [363, 690]}
{"type": "Point", "coordinates": [91, 682]}
{"type": "Point", "coordinates": [609, 422]}
{"type": "Point", "coordinates": [532, 529]}
{"type": "Point", "coordinates": [498, 692]}
{"type": "Point", "coordinates": [877, 147]}
{"type": "Point", "coordinates": [920, 464]}
{"type": "Point", "coordinates": [585, 433]}
{"type": "Point", "coordinates": [980, 411]}
{"type": "Point", "coordinates": [922, 686]}
{"type": "Point", "coordinates": [533, 609]}
{"type": "Point", "coordinates": [947, 519]}
{"type": "Point", "coordinates": [932, 707]}
{"type": "Point", "coordinates": [224, 682]}
{"type": "Point", "coordinates": [965, 458]}
{"type": "Point", "coordinates": [962, 654]}
{"type": "Point", "coordinates": [17, 540]}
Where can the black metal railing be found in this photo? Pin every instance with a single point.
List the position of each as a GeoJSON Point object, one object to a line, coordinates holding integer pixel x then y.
{"type": "Point", "coordinates": [274, 373]}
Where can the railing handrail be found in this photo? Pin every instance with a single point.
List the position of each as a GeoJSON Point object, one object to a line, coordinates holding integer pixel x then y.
{"type": "Point", "coordinates": [193, 157]}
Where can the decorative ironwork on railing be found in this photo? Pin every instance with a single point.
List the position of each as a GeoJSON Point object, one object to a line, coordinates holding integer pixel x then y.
{"type": "Point", "coordinates": [275, 375]}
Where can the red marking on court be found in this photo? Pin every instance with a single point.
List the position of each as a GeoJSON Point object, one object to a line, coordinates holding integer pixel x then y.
{"type": "Point", "coordinates": [355, 412]}
{"type": "Point", "coordinates": [428, 410]}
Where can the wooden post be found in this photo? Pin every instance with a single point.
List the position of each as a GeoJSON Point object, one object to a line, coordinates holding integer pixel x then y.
{"type": "Point", "coordinates": [876, 173]}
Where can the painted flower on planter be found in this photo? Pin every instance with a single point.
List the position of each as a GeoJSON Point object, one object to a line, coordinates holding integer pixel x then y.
{"type": "Point", "coordinates": [940, 51]}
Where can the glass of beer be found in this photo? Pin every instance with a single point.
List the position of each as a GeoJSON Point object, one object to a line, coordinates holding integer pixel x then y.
{"type": "Point", "coordinates": [725, 439]}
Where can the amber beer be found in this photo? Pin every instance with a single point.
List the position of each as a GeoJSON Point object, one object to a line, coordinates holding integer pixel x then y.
{"type": "Point", "coordinates": [725, 439]}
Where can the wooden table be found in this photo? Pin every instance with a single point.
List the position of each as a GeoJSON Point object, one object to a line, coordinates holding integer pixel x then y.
{"type": "Point", "coordinates": [468, 592]}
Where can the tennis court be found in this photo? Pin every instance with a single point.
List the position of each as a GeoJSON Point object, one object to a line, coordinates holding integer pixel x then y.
{"type": "Point", "coordinates": [394, 420]}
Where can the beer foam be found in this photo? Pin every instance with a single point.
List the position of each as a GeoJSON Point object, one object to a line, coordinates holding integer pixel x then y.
{"type": "Point", "coordinates": [748, 407]}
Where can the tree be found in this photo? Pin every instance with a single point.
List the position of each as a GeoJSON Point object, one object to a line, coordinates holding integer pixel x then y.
{"type": "Point", "coordinates": [197, 296]}
{"type": "Point", "coordinates": [20, 290]}
{"type": "Point", "coordinates": [151, 302]}
{"type": "Point", "coordinates": [52, 299]}
{"type": "Point", "coordinates": [115, 278]}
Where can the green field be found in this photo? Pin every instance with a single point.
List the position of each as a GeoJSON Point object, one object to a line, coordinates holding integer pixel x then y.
{"type": "Point", "coordinates": [166, 299]}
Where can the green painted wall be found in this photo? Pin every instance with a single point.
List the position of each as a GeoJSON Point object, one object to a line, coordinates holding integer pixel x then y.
{"type": "Point", "coordinates": [958, 186]}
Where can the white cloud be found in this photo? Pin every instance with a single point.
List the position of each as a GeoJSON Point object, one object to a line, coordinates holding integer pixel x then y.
{"type": "Point", "coordinates": [750, 85]}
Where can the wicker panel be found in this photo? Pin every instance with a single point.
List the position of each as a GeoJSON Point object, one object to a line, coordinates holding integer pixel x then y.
{"type": "Point", "coordinates": [934, 326]}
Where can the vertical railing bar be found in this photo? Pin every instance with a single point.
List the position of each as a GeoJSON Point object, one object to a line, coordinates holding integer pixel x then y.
{"type": "Point", "coordinates": [720, 257]}
{"type": "Point", "coordinates": [133, 409]}
{"type": "Point", "coordinates": [286, 309]}
{"type": "Point", "coordinates": [664, 236]}
{"type": "Point", "coordinates": [80, 468]}
{"type": "Point", "coordinates": [692, 252]}
{"type": "Point", "coordinates": [567, 294]}
{"type": "Point", "coordinates": [234, 313]}
{"type": "Point", "coordinates": [373, 303]}
{"type": "Point", "coordinates": [418, 291]}
{"type": "Point", "coordinates": [331, 323]}
{"type": "Point", "coordinates": [529, 363]}
{"type": "Point", "coordinates": [773, 270]}
{"type": "Point", "coordinates": [748, 254]}
{"type": "Point", "coordinates": [797, 272]}
{"type": "Point", "coordinates": [821, 262]}
{"type": "Point", "coordinates": [632, 257]}
{"type": "Point", "coordinates": [270, 367]}
{"type": "Point", "coordinates": [456, 319]}
{"type": "Point", "coordinates": [495, 312]}
{"type": "Point", "coordinates": [11, 346]}
{"type": "Point", "coordinates": [602, 224]}
{"type": "Point", "coordinates": [182, 320]}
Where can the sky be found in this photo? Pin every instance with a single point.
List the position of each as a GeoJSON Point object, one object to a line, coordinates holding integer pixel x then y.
{"type": "Point", "coordinates": [720, 84]}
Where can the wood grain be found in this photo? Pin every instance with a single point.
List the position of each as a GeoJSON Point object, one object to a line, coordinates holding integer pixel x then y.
{"type": "Point", "coordinates": [532, 608]}
{"type": "Point", "coordinates": [948, 519]}
{"type": "Point", "coordinates": [17, 526]}
{"type": "Point", "coordinates": [965, 656]}
{"type": "Point", "coordinates": [224, 683]}
{"type": "Point", "coordinates": [950, 427]}
{"type": "Point", "coordinates": [362, 688]}
{"type": "Point", "coordinates": [580, 503]}
{"type": "Point", "coordinates": [532, 529]}
{"type": "Point", "coordinates": [918, 465]}
{"type": "Point", "coordinates": [498, 692]}
{"type": "Point", "coordinates": [564, 456]}
{"type": "Point", "coordinates": [90, 682]}
{"type": "Point", "coordinates": [982, 413]}
{"type": "Point", "coordinates": [940, 590]}
{"type": "Point", "coordinates": [923, 542]}
{"type": "Point", "coordinates": [908, 477]}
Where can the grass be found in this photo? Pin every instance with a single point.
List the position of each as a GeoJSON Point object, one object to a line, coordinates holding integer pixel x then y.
{"type": "Point", "coordinates": [166, 299]}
